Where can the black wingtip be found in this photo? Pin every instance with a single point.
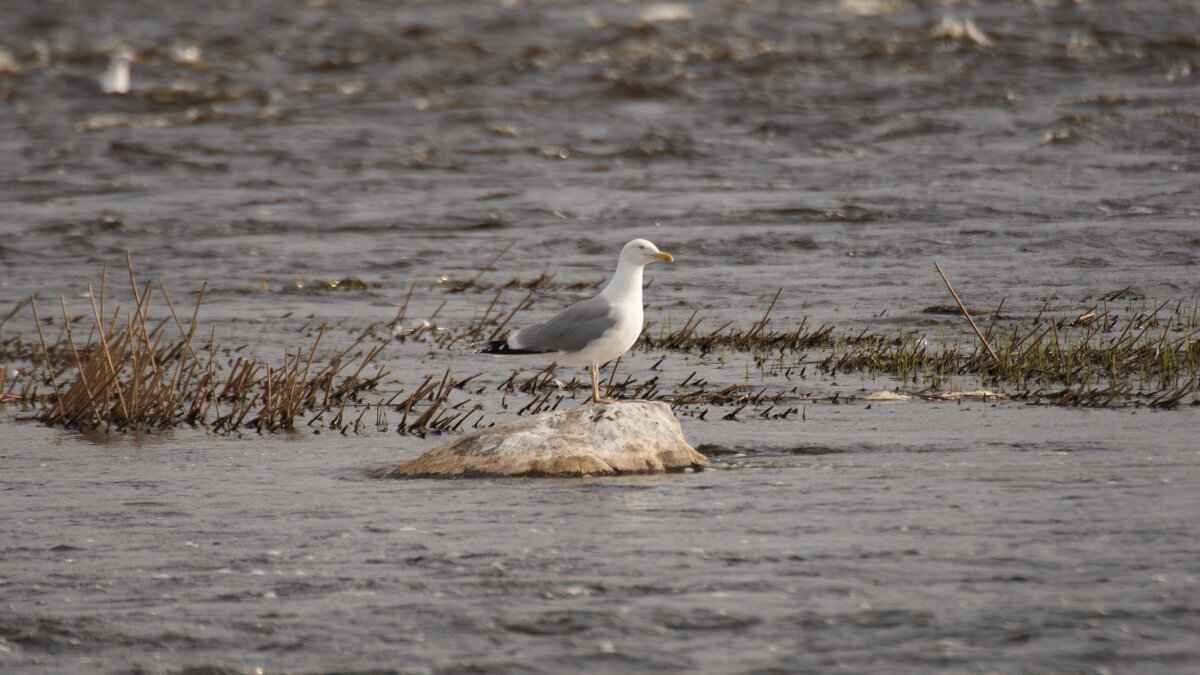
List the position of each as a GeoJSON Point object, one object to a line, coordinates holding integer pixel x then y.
{"type": "Point", "coordinates": [501, 348]}
{"type": "Point", "coordinates": [494, 347]}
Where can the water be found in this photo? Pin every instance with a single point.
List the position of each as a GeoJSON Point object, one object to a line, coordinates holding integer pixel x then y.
{"type": "Point", "coordinates": [801, 146]}
{"type": "Point", "coordinates": [869, 544]}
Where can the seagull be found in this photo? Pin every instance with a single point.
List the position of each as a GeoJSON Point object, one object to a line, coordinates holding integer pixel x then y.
{"type": "Point", "coordinates": [594, 331]}
{"type": "Point", "coordinates": [115, 79]}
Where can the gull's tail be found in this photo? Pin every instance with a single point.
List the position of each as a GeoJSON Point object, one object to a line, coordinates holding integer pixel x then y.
{"type": "Point", "coordinates": [501, 348]}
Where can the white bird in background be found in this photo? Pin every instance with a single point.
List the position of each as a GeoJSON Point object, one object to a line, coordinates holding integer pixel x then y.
{"type": "Point", "coordinates": [595, 331]}
{"type": "Point", "coordinates": [114, 80]}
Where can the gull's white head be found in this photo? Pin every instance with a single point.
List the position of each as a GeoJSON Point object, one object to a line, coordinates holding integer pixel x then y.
{"type": "Point", "coordinates": [127, 55]}
{"type": "Point", "coordinates": [641, 252]}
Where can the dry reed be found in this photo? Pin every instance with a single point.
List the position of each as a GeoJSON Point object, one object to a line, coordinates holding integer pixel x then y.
{"type": "Point", "coordinates": [129, 374]}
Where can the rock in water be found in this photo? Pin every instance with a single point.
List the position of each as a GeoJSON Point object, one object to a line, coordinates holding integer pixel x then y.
{"type": "Point", "coordinates": [598, 439]}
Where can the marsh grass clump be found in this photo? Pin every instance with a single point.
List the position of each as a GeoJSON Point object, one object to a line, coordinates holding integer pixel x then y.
{"type": "Point", "coordinates": [439, 415]}
{"type": "Point", "coordinates": [759, 337]}
{"type": "Point", "coordinates": [262, 397]}
{"type": "Point", "coordinates": [1100, 357]}
{"type": "Point", "coordinates": [133, 372]}
{"type": "Point", "coordinates": [1114, 360]}
{"type": "Point", "coordinates": [128, 374]}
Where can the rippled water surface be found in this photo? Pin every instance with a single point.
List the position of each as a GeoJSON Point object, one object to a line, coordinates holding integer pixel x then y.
{"type": "Point", "coordinates": [1044, 152]}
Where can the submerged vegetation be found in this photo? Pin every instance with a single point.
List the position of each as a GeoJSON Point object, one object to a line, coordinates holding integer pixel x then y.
{"type": "Point", "coordinates": [1101, 357]}
{"type": "Point", "coordinates": [134, 369]}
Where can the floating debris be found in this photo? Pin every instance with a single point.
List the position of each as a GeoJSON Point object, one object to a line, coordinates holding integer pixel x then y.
{"type": "Point", "coordinates": [962, 30]}
{"type": "Point", "coordinates": [346, 284]}
{"type": "Point", "coordinates": [874, 7]}
{"type": "Point", "coordinates": [887, 396]}
{"type": "Point", "coordinates": [980, 394]}
{"type": "Point", "coordinates": [9, 64]}
{"type": "Point", "coordinates": [1056, 136]}
{"type": "Point", "coordinates": [666, 12]}
{"type": "Point", "coordinates": [102, 121]}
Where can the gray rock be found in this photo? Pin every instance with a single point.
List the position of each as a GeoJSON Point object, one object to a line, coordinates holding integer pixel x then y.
{"type": "Point", "coordinates": [597, 439]}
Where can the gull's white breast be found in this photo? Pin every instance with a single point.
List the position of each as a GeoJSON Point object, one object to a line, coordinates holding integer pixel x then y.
{"type": "Point", "coordinates": [612, 343]}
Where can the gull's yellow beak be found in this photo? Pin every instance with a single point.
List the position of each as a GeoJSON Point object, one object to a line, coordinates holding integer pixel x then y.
{"type": "Point", "coordinates": [664, 256]}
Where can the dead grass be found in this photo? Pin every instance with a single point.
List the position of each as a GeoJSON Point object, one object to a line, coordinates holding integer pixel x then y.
{"type": "Point", "coordinates": [133, 372]}
{"type": "Point", "coordinates": [1101, 356]}
{"type": "Point", "coordinates": [141, 368]}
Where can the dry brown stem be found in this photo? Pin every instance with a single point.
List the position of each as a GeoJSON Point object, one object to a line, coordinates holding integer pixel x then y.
{"type": "Point", "coordinates": [983, 340]}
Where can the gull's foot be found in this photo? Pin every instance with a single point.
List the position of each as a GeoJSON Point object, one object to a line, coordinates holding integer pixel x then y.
{"type": "Point", "coordinates": [603, 400]}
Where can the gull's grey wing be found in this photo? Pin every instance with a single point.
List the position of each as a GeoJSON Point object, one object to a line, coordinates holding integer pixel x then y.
{"type": "Point", "coordinates": [568, 331]}
{"type": "Point", "coordinates": [77, 84]}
